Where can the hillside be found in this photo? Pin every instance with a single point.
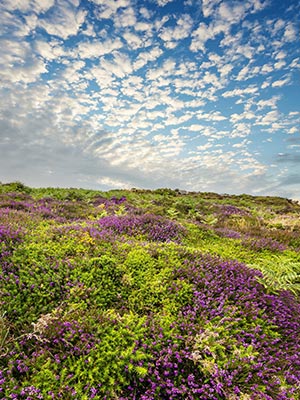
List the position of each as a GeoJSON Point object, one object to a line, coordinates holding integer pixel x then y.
{"type": "Point", "coordinates": [139, 294]}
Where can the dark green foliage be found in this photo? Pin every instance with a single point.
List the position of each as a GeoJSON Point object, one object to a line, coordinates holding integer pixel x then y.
{"type": "Point", "coordinates": [17, 186]}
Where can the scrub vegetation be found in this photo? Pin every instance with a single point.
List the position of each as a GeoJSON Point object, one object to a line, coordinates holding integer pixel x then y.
{"type": "Point", "coordinates": [139, 294]}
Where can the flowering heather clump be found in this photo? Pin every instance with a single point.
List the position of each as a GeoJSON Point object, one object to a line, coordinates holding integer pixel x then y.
{"type": "Point", "coordinates": [118, 201]}
{"type": "Point", "coordinates": [156, 228]}
{"type": "Point", "coordinates": [221, 345]}
{"type": "Point", "coordinates": [227, 210]}
{"type": "Point", "coordinates": [9, 238]}
{"type": "Point", "coordinates": [112, 201]}
{"type": "Point", "coordinates": [60, 336]}
{"type": "Point", "coordinates": [47, 208]}
{"type": "Point", "coordinates": [8, 235]}
{"type": "Point", "coordinates": [230, 233]}
{"type": "Point", "coordinates": [259, 244]}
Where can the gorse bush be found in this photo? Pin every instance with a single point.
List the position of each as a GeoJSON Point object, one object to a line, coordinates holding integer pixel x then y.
{"type": "Point", "coordinates": [148, 295]}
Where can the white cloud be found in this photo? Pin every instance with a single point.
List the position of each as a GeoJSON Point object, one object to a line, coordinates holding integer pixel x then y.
{"type": "Point", "coordinates": [108, 8]}
{"type": "Point", "coordinates": [239, 117]}
{"type": "Point", "coordinates": [103, 78]}
{"type": "Point", "coordinates": [243, 73]}
{"type": "Point", "coordinates": [280, 55]}
{"type": "Point", "coordinates": [27, 68]}
{"type": "Point", "coordinates": [278, 25]}
{"type": "Point", "coordinates": [245, 51]}
{"type": "Point", "coordinates": [240, 92]}
{"type": "Point", "coordinates": [13, 26]}
{"type": "Point", "coordinates": [267, 68]}
{"type": "Point", "coordinates": [261, 48]}
{"type": "Point", "coordinates": [269, 118]}
{"type": "Point", "coordinates": [210, 78]}
{"type": "Point", "coordinates": [200, 36]}
{"type": "Point", "coordinates": [280, 82]}
{"type": "Point", "coordinates": [64, 20]}
{"type": "Point", "coordinates": [224, 15]}
{"type": "Point", "coordinates": [49, 50]}
{"type": "Point", "coordinates": [13, 52]}
{"type": "Point", "coordinates": [162, 3]}
{"type": "Point", "coordinates": [258, 5]}
{"type": "Point", "coordinates": [248, 72]}
{"type": "Point", "coordinates": [265, 84]}
{"type": "Point", "coordinates": [204, 147]}
{"type": "Point", "coordinates": [293, 130]}
{"type": "Point", "coordinates": [195, 128]}
{"type": "Point", "coordinates": [29, 5]}
{"type": "Point", "coordinates": [159, 23]}
{"type": "Point", "coordinates": [180, 31]}
{"type": "Point", "coordinates": [225, 69]}
{"type": "Point", "coordinates": [209, 6]}
{"type": "Point", "coordinates": [241, 144]}
{"type": "Point", "coordinates": [125, 18]}
{"type": "Point", "coordinates": [22, 5]}
{"type": "Point", "coordinates": [115, 183]}
{"type": "Point", "coordinates": [144, 27]}
{"type": "Point", "coordinates": [232, 13]}
{"type": "Point", "coordinates": [272, 102]}
{"type": "Point", "coordinates": [120, 66]}
{"type": "Point", "coordinates": [71, 73]}
{"type": "Point", "coordinates": [231, 41]}
{"type": "Point", "coordinates": [134, 41]}
{"type": "Point", "coordinates": [41, 6]}
{"type": "Point", "coordinates": [295, 63]}
{"type": "Point", "coordinates": [145, 12]}
{"type": "Point", "coordinates": [279, 64]}
{"type": "Point", "coordinates": [143, 58]}
{"type": "Point", "coordinates": [216, 116]}
{"type": "Point", "coordinates": [241, 129]}
{"type": "Point", "coordinates": [172, 120]}
{"type": "Point", "coordinates": [165, 70]}
{"type": "Point", "coordinates": [89, 30]}
{"type": "Point", "coordinates": [96, 48]}
{"type": "Point", "coordinates": [290, 32]}
{"type": "Point", "coordinates": [27, 74]}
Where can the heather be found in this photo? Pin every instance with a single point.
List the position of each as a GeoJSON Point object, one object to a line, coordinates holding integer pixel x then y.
{"type": "Point", "coordinates": [147, 295]}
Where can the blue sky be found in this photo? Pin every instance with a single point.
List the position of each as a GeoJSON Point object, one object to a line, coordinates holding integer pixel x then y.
{"type": "Point", "coordinates": [201, 95]}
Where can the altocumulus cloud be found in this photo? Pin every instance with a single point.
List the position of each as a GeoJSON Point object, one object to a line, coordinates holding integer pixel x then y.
{"type": "Point", "coordinates": [194, 94]}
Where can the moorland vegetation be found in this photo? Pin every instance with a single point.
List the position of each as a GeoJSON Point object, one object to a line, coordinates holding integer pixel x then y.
{"type": "Point", "coordinates": [148, 294]}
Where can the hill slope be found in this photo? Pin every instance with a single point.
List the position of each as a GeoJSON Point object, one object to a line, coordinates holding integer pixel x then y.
{"type": "Point", "coordinates": [148, 295]}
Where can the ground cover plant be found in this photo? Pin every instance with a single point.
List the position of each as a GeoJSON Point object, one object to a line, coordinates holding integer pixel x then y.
{"type": "Point", "coordinates": [145, 295]}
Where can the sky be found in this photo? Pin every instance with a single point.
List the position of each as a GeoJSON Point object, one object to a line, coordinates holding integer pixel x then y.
{"type": "Point", "coordinates": [200, 95]}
